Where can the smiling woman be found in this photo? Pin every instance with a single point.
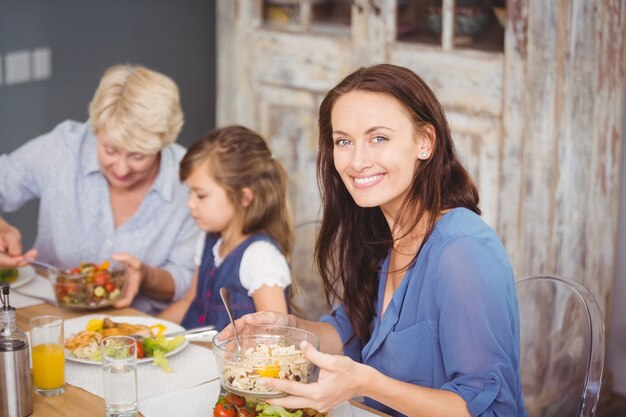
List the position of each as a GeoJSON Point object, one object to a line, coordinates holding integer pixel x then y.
{"type": "Point", "coordinates": [427, 322]}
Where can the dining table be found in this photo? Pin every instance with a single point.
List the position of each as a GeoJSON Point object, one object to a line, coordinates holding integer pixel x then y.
{"type": "Point", "coordinates": [79, 402]}
{"type": "Point", "coordinates": [74, 402]}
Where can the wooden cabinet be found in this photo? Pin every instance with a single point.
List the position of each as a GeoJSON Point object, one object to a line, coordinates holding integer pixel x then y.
{"type": "Point", "coordinates": [537, 118]}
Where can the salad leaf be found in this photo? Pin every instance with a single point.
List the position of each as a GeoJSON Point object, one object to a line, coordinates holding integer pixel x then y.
{"type": "Point", "coordinates": [157, 347]}
{"type": "Point", "coordinates": [161, 360]}
{"type": "Point", "coordinates": [7, 276]}
{"type": "Point", "coordinates": [160, 343]}
{"type": "Point", "coordinates": [267, 410]}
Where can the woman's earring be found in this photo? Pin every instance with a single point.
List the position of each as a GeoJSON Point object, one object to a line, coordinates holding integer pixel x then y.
{"type": "Point", "coordinates": [424, 155]}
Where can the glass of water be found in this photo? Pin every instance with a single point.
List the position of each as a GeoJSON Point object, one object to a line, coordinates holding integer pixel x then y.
{"type": "Point", "coordinates": [119, 366]}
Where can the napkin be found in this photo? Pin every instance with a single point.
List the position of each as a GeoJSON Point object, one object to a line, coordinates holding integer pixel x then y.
{"type": "Point", "coordinates": [193, 402]}
{"type": "Point", "coordinates": [21, 301]}
{"type": "Point", "coordinates": [192, 366]}
{"type": "Point", "coordinates": [359, 412]}
{"type": "Point", "coordinates": [199, 402]}
{"type": "Point", "coordinates": [39, 287]}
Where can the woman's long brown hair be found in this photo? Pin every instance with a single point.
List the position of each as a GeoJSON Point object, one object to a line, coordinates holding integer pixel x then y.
{"type": "Point", "coordinates": [353, 240]}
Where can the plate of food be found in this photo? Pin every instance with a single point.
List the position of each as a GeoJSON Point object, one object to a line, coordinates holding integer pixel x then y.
{"type": "Point", "coordinates": [83, 336]}
{"type": "Point", "coordinates": [229, 404]}
{"type": "Point", "coordinates": [16, 277]}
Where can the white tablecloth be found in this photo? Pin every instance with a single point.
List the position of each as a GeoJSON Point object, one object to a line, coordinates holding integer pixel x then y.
{"type": "Point", "coordinates": [199, 402]}
{"type": "Point", "coordinates": [194, 365]}
{"type": "Point", "coordinates": [191, 390]}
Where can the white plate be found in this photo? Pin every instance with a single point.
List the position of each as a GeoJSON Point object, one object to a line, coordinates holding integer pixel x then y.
{"type": "Point", "coordinates": [26, 275]}
{"type": "Point", "coordinates": [77, 325]}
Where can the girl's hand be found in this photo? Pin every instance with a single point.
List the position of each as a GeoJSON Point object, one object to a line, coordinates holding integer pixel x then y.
{"type": "Point", "coordinates": [338, 381]}
{"type": "Point", "coordinates": [134, 276]}
{"type": "Point", "coordinates": [258, 318]}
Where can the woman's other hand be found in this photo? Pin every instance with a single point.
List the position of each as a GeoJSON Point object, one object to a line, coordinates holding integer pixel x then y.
{"type": "Point", "coordinates": [259, 318]}
{"type": "Point", "coordinates": [338, 381]}
{"type": "Point", "coordinates": [11, 247]}
{"type": "Point", "coordinates": [134, 276]}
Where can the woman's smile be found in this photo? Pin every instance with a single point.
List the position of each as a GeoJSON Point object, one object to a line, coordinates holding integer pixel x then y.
{"type": "Point", "coordinates": [367, 181]}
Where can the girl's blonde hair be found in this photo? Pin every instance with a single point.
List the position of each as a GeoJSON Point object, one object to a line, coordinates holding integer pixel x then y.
{"type": "Point", "coordinates": [138, 109]}
{"type": "Point", "coordinates": [238, 158]}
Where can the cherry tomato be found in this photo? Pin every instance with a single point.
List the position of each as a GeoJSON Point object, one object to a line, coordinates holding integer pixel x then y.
{"type": "Point", "coordinates": [100, 277]}
{"type": "Point", "coordinates": [72, 288]}
{"type": "Point", "coordinates": [244, 412]}
{"type": "Point", "coordinates": [223, 410]}
{"type": "Point", "coordinates": [234, 399]}
{"type": "Point", "coordinates": [140, 352]}
{"type": "Point", "coordinates": [109, 286]}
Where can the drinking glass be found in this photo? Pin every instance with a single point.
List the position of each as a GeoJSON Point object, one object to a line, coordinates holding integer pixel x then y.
{"type": "Point", "coordinates": [119, 365]}
{"type": "Point", "coordinates": [46, 339]}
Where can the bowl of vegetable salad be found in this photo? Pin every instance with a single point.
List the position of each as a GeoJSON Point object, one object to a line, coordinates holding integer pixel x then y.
{"type": "Point", "coordinates": [233, 405]}
{"type": "Point", "coordinates": [89, 285]}
{"type": "Point", "coordinates": [266, 352]}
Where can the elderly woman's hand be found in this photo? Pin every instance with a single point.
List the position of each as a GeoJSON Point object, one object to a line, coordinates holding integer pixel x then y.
{"type": "Point", "coordinates": [11, 247]}
{"type": "Point", "coordinates": [338, 381]}
{"type": "Point", "coordinates": [134, 276]}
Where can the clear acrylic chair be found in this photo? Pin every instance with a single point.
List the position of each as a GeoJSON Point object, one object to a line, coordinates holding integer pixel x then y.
{"type": "Point", "coordinates": [562, 347]}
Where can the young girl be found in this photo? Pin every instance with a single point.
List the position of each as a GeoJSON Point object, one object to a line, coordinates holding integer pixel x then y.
{"type": "Point", "coordinates": [238, 197]}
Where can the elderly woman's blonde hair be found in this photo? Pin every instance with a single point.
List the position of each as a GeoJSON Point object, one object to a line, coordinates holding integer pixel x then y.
{"type": "Point", "coordinates": [138, 109]}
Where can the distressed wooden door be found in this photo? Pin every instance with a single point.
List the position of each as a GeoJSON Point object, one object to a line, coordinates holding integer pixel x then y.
{"type": "Point", "coordinates": [539, 123]}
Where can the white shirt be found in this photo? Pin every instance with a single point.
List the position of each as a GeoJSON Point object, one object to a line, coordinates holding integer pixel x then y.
{"type": "Point", "coordinates": [262, 264]}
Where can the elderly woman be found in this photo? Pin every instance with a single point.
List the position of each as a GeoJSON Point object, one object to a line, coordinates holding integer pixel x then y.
{"type": "Point", "coordinates": [108, 188]}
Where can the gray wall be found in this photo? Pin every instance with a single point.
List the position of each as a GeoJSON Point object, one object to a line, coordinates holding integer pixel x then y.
{"type": "Point", "coordinates": [86, 37]}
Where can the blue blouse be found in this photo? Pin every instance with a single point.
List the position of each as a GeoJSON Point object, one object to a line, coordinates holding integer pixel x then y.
{"type": "Point", "coordinates": [453, 323]}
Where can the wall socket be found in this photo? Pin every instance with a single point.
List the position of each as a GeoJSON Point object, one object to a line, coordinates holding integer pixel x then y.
{"type": "Point", "coordinates": [41, 60]}
{"type": "Point", "coordinates": [26, 65]}
{"type": "Point", "coordinates": [17, 67]}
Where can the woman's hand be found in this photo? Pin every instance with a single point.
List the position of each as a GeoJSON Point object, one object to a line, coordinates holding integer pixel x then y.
{"type": "Point", "coordinates": [134, 276]}
{"type": "Point", "coordinates": [259, 318]}
{"type": "Point", "coordinates": [338, 381]}
{"type": "Point", "coordinates": [11, 247]}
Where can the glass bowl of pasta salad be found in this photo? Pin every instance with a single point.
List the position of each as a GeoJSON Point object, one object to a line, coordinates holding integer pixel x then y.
{"type": "Point", "coordinates": [266, 352]}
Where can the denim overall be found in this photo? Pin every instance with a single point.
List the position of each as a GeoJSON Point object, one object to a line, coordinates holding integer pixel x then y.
{"type": "Point", "coordinates": [207, 307]}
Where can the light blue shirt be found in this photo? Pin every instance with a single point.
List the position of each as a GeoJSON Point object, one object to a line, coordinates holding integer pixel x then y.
{"type": "Point", "coordinates": [453, 323]}
{"type": "Point", "coordinates": [75, 224]}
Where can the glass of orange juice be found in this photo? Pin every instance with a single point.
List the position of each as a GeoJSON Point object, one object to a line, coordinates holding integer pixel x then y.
{"type": "Point", "coordinates": [46, 339]}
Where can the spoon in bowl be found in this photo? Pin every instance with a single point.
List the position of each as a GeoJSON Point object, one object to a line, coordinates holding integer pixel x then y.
{"type": "Point", "coordinates": [45, 269]}
{"type": "Point", "coordinates": [226, 300]}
